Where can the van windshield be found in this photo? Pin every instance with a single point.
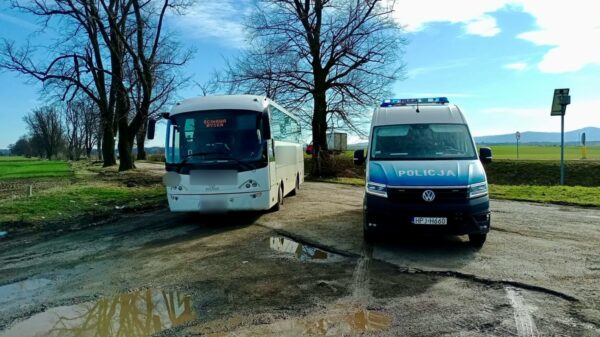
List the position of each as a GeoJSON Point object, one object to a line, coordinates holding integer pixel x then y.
{"type": "Point", "coordinates": [422, 142]}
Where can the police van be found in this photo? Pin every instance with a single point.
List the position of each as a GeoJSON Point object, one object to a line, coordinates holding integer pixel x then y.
{"type": "Point", "coordinates": [423, 171]}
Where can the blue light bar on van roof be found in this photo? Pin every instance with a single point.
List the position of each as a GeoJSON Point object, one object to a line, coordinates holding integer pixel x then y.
{"type": "Point", "coordinates": [406, 101]}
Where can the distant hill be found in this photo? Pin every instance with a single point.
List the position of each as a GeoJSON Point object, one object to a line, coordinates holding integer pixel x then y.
{"type": "Point", "coordinates": [592, 134]}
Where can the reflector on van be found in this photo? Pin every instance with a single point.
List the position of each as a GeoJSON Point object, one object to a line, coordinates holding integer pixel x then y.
{"type": "Point", "coordinates": [406, 101]}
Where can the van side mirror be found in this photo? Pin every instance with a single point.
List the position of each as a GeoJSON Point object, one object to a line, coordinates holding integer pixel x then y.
{"type": "Point", "coordinates": [485, 155]}
{"type": "Point", "coordinates": [359, 157]}
{"type": "Point", "coordinates": [266, 125]}
{"type": "Point", "coordinates": [151, 128]}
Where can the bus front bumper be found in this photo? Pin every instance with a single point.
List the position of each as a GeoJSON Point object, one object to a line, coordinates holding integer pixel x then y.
{"type": "Point", "coordinates": [216, 203]}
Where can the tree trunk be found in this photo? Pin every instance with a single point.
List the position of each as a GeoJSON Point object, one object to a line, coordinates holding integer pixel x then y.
{"type": "Point", "coordinates": [99, 146]}
{"type": "Point", "coordinates": [319, 129]}
{"type": "Point", "coordinates": [126, 161]}
{"type": "Point", "coordinates": [140, 140]}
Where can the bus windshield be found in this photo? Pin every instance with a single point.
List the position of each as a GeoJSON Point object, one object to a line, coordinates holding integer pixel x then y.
{"type": "Point", "coordinates": [422, 142]}
{"type": "Point", "coordinates": [196, 137]}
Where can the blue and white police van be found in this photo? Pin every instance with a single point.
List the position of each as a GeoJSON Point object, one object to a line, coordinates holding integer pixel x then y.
{"type": "Point", "coordinates": [423, 171]}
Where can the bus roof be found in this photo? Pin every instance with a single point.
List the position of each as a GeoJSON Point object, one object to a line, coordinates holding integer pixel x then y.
{"type": "Point", "coordinates": [444, 113]}
{"type": "Point", "coordinates": [225, 102]}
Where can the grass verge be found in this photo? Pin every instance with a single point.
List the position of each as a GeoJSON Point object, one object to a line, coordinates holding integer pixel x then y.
{"type": "Point", "coordinates": [22, 168]}
{"type": "Point", "coordinates": [562, 195]}
{"type": "Point", "coordinates": [99, 193]}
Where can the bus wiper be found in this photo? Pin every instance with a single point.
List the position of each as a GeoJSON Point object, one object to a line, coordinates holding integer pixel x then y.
{"type": "Point", "coordinates": [185, 158]}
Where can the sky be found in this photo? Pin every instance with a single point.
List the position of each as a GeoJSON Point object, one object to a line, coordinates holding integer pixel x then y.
{"type": "Point", "coordinates": [498, 60]}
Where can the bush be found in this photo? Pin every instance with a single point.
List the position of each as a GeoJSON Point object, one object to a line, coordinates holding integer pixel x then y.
{"type": "Point", "coordinates": [337, 166]}
{"type": "Point", "coordinates": [159, 157]}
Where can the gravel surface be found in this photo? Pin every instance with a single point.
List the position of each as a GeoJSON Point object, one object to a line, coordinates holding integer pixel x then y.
{"type": "Point", "coordinates": [305, 270]}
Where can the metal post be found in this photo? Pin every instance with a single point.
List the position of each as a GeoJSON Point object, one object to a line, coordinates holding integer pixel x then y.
{"type": "Point", "coordinates": [517, 149]}
{"type": "Point", "coordinates": [562, 149]}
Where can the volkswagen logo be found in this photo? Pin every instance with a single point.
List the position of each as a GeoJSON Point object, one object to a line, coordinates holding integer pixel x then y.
{"type": "Point", "coordinates": [428, 195]}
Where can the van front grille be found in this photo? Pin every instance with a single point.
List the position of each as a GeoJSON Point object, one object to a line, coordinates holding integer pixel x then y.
{"type": "Point", "coordinates": [415, 195]}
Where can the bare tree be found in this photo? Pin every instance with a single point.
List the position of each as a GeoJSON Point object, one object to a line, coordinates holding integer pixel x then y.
{"type": "Point", "coordinates": [78, 61]}
{"type": "Point", "coordinates": [81, 127]}
{"type": "Point", "coordinates": [45, 127]}
{"type": "Point", "coordinates": [152, 55]}
{"type": "Point", "coordinates": [97, 39]}
{"type": "Point", "coordinates": [336, 57]}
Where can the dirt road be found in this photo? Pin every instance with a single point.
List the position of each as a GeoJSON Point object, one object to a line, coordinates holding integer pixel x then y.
{"type": "Point", "coordinates": [305, 271]}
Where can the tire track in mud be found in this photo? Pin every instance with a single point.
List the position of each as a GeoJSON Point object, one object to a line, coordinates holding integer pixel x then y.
{"type": "Point", "coordinates": [361, 292]}
{"type": "Point", "coordinates": [523, 320]}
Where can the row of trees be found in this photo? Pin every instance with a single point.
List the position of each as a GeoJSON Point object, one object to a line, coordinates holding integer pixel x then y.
{"type": "Point", "coordinates": [330, 59]}
{"type": "Point", "coordinates": [67, 130]}
{"type": "Point", "coordinates": [112, 54]}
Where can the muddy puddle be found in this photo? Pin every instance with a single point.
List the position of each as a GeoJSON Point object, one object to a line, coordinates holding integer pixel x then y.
{"type": "Point", "coordinates": [301, 251]}
{"type": "Point", "coordinates": [23, 289]}
{"type": "Point", "coordinates": [335, 323]}
{"type": "Point", "coordinates": [135, 314]}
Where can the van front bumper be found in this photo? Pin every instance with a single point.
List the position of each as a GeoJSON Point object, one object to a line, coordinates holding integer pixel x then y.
{"type": "Point", "coordinates": [471, 216]}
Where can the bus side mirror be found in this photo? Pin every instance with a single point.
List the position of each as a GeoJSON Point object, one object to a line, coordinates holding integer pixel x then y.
{"type": "Point", "coordinates": [485, 155]}
{"type": "Point", "coordinates": [359, 157]}
{"type": "Point", "coordinates": [266, 125]}
{"type": "Point", "coordinates": [151, 128]}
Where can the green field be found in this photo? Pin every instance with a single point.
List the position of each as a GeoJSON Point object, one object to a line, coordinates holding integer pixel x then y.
{"type": "Point", "coordinates": [531, 152]}
{"type": "Point", "coordinates": [542, 152]}
{"type": "Point", "coordinates": [20, 167]}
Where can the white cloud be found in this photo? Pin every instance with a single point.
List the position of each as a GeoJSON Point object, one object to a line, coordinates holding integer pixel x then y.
{"type": "Point", "coordinates": [415, 15]}
{"type": "Point", "coordinates": [518, 66]}
{"type": "Point", "coordinates": [484, 25]}
{"type": "Point", "coordinates": [221, 21]}
{"type": "Point", "coordinates": [572, 29]}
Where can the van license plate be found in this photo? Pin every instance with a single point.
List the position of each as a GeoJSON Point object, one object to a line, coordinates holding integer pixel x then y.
{"type": "Point", "coordinates": [429, 221]}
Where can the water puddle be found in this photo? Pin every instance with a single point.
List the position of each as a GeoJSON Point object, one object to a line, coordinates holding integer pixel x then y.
{"type": "Point", "coordinates": [136, 314]}
{"type": "Point", "coordinates": [17, 290]}
{"type": "Point", "coordinates": [301, 251]}
{"type": "Point", "coordinates": [342, 323]}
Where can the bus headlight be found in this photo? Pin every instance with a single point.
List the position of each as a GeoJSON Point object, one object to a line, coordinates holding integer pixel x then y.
{"type": "Point", "coordinates": [478, 190]}
{"type": "Point", "coordinates": [377, 189]}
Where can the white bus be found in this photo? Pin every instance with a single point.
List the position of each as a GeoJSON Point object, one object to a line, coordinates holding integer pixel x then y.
{"type": "Point", "coordinates": [230, 153]}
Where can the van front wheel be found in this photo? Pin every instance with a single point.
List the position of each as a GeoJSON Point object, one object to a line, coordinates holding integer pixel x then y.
{"type": "Point", "coordinates": [477, 240]}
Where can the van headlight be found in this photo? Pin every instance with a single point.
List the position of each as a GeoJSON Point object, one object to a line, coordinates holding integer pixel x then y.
{"type": "Point", "coordinates": [377, 189]}
{"type": "Point", "coordinates": [478, 190]}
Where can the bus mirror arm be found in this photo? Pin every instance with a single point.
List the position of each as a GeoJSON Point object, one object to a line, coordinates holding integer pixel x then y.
{"type": "Point", "coordinates": [266, 125]}
{"type": "Point", "coordinates": [151, 128]}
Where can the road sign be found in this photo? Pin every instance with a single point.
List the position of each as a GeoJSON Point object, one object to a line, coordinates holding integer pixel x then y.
{"type": "Point", "coordinates": [559, 106]}
{"type": "Point", "coordinates": [560, 101]}
{"type": "Point", "coordinates": [518, 136]}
